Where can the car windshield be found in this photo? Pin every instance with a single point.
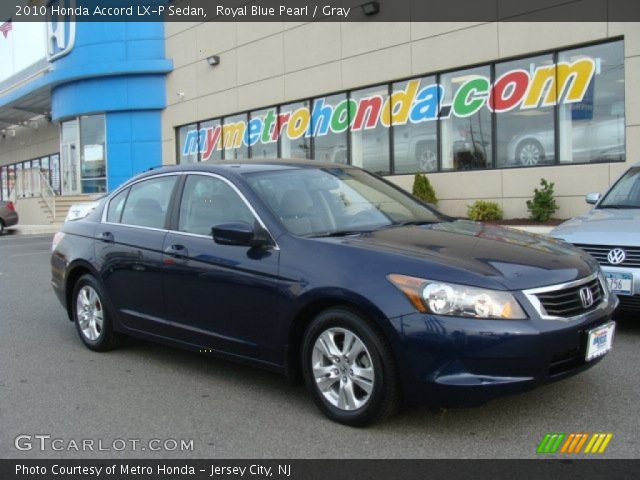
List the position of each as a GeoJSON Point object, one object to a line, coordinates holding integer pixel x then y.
{"type": "Point", "coordinates": [336, 201]}
{"type": "Point", "coordinates": [625, 193]}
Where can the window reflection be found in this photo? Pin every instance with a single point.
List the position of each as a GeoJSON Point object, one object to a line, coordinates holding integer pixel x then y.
{"type": "Point", "coordinates": [466, 141]}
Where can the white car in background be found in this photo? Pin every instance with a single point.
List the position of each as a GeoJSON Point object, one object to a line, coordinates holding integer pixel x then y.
{"type": "Point", "coordinates": [81, 210]}
{"type": "Point", "coordinates": [610, 232]}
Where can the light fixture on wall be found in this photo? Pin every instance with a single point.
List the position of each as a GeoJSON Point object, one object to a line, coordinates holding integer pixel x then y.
{"type": "Point", "coordinates": [213, 60]}
{"type": "Point", "coordinates": [370, 8]}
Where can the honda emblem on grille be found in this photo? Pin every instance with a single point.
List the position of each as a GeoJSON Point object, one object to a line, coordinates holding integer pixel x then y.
{"type": "Point", "coordinates": [616, 256]}
{"type": "Point", "coordinates": [586, 297]}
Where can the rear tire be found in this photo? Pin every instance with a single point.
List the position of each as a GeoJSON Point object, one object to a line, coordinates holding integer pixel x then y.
{"type": "Point", "coordinates": [91, 316]}
{"type": "Point", "coordinates": [349, 368]}
{"type": "Point", "coordinates": [1, 227]}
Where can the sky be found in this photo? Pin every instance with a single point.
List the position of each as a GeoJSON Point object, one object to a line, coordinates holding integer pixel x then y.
{"type": "Point", "coordinates": [25, 44]}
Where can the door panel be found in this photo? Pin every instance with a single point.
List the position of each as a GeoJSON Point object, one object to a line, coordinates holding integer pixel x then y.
{"type": "Point", "coordinates": [131, 260]}
{"type": "Point", "coordinates": [129, 250]}
{"type": "Point", "coordinates": [223, 297]}
{"type": "Point", "coordinates": [220, 296]}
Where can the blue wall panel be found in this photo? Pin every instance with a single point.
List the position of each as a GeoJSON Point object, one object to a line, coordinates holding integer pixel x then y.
{"type": "Point", "coordinates": [105, 94]}
{"type": "Point", "coordinates": [134, 144]}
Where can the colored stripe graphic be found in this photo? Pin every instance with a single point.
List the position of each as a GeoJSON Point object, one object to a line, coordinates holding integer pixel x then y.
{"type": "Point", "coordinates": [551, 442]}
{"type": "Point", "coordinates": [573, 443]}
{"type": "Point", "coordinates": [598, 443]}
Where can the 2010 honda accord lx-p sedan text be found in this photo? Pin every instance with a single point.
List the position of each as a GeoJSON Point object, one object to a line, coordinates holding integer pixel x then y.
{"type": "Point", "coordinates": [331, 274]}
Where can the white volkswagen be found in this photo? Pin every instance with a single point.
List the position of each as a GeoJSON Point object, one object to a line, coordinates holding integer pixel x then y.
{"type": "Point", "coordinates": [610, 232]}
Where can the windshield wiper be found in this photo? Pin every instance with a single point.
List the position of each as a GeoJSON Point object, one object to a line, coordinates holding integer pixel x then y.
{"type": "Point", "coordinates": [338, 233]}
{"type": "Point", "coordinates": [413, 222]}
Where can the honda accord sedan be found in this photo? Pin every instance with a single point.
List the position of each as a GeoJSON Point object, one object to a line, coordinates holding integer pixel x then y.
{"type": "Point", "coordinates": [334, 276]}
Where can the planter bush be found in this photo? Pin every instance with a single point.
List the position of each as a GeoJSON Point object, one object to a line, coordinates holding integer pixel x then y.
{"type": "Point", "coordinates": [543, 205]}
{"type": "Point", "coordinates": [423, 190]}
{"type": "Point", "coordinates": [484, 211]}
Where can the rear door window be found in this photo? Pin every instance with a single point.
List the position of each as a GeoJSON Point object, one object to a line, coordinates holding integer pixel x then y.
{"type": "Point", "coordinates": [148, 202]}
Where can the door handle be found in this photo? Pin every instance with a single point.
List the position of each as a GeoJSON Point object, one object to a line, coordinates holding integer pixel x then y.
{"type": "Point", "coordinates": [106, 237]}
{"type": "Point", "coordinates": [177, 251]}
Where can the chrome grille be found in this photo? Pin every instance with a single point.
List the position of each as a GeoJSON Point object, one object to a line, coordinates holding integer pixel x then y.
{"type": "Point", "coordinates": [600, 252]}
{"type": "Point", "coordinates": [565, 301]}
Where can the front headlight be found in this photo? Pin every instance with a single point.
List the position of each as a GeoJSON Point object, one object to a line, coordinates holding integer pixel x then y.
{"type": "Point", "coordinates": [443, 298]}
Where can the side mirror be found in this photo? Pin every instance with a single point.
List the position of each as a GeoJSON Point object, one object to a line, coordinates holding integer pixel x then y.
{"type": "Point", "coordinates": [241, 234]}
{"type": "Point", "coordinates": [592, 198]}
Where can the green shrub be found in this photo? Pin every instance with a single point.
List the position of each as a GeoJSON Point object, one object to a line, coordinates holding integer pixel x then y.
{"type": "Point", "coordinates": [543, 205]}
{"type": "Point", "coordinates": [423, 190]}
{"type": "Point", "coordinates": [483, 211]}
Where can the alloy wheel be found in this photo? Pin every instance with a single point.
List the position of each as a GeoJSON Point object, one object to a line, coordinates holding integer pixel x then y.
{"type": "Point", "coordinates": [342, 369]}
{"type": "Point", "coordinates": [90, 313]}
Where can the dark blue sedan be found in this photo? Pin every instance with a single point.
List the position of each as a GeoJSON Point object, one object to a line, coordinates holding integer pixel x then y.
{"type": "Point", "coordinates": [332, 275]}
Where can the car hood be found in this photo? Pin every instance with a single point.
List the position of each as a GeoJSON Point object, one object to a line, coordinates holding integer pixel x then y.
{"type": "Point", "coordinates": [602, 226]}
{"type": "Point", "coordinates": [472, 252]}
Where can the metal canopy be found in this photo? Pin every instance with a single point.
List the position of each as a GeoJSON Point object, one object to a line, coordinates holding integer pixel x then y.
{"type": "Point", "coordinates": [34, 104]}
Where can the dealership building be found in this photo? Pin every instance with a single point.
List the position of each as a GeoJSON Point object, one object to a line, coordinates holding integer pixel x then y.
{"type": "Point", "coordinates": [484, 109]}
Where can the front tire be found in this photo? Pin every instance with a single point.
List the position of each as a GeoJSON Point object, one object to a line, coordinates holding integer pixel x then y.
{"type": "Point", "coordinates": [91, 316]}
{"type": "Point", "coordinates": [349, 368]}
{"type": "Point", "coordinates": [1, 227]}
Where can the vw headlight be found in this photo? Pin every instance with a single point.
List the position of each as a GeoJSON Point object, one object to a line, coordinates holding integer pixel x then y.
{"type": "Point", "coordinates": [443, 298]}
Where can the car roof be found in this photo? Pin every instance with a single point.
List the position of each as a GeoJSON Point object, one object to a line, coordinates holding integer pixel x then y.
{"type": "Point", "coordinates": [244, 166]}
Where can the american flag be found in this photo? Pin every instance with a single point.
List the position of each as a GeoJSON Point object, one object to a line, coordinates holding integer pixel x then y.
{"type": "Point", "coordinates": [5, 28]}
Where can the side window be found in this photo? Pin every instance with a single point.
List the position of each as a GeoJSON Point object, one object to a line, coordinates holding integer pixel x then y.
{"type": "Point", "coordinates": [148, 202]}
{"type": "Point", "coordinates": [114, 213]}
{"type": "Point", "coordinates": [208, 201]}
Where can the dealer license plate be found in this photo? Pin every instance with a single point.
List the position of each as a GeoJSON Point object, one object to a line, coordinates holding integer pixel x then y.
{"type": "Point", "coordinates": [599, 340]}
{"type": "Point", "coordinates": [620, 282]}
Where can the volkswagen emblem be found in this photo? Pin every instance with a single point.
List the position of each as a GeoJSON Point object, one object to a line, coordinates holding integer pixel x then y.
{"type": "Point", "coordinates": [586, 297]}
{"type": "Point", "coordinates": [616, 256]}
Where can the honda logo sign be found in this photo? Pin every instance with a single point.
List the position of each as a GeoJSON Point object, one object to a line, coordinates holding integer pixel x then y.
{"type": "Point", "coordinates": [61, 28]}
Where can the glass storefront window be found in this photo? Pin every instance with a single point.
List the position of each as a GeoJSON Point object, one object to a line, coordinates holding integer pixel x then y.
{"type": "Point", "coordinates": [234, 137]}
{"type": "Point", "coordinates": [525, 137]}
{"type": "Point", "coordinates": [45, 169]}
{"type": "Point", "coordinates": [19, 184]}
{"type": "Point", "coordinates": [11, 179]}
{"type": "Point", "coordinates": [188, 138]}
{"type": "Point", "coordinates": [4, 180]}
{"type": "Point", "coordinates": [415, 138]}
{"type": "Point", "coordinates": [26, 179]}
{"type": "Point", "coordinates": [329, 129]}
{"type": "Point", "coordinates": [210, 140]}
{"type": "Point", "coordinates": [593, 129]}
{"type": "Point", "coordinates": [369, 136]}
{"type": "Point", "coordinates": [54, 161]}
{"type": "Point", "coordinates": [93, 156]}
{"type": "Point", "coordinates": [466, 135]}
{"type": "Point", "coordinates": [561, 107]}
{"type": "Point", "coordinates": [35, 177]}
{"type": "Point", "coordinates": [262, 124]}
{"type": "Point", "coordinates": [294, 142]}
{"type": "Point", "coordinates": [70, 158]}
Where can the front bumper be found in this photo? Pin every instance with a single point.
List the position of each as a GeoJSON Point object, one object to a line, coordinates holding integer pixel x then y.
{"type": "Point", "coordinates": [627, 302]}
{"type": "Point", "coordinates": [454, 361]}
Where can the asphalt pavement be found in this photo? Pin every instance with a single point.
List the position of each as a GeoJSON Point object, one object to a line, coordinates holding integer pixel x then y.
{"type": "Point", "coordinates": [51, 385]}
